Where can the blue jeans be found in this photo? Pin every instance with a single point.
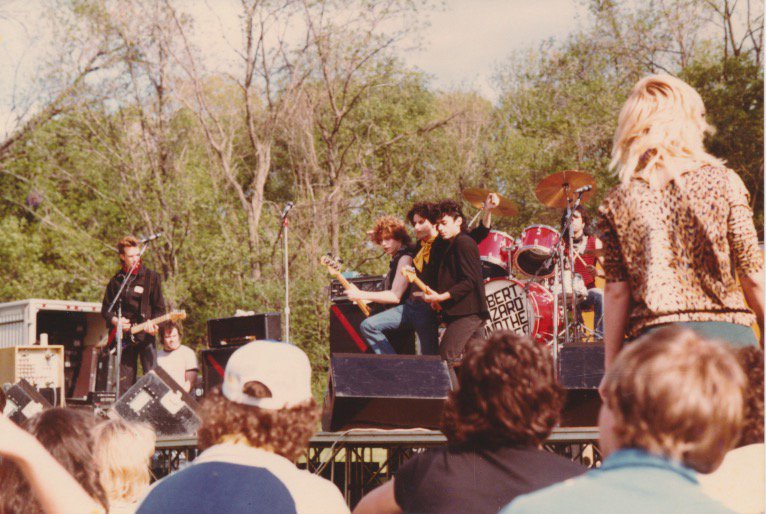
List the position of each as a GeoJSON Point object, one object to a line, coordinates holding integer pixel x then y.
{"type": "Point", "coordinates": [595, 300]}
{"type": "Point", "coordinates": [410, 315]}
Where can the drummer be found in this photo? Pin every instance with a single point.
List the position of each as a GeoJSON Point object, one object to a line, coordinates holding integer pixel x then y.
{"type": "Point", "coordinates": [585, 259]}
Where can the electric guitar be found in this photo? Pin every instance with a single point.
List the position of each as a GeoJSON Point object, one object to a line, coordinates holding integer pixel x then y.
{"type": "Point", "coordinates": [412, 277]}
{"type": "Point", "coordinates": [127, 337]}
{"type": "Point", "coordinates": [333, 266]}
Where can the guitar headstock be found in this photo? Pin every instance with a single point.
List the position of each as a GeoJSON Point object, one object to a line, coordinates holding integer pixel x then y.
{"type": "Point", "coordinates": [178, 315]}
{"type": "Point", "coordinates": [409, 273]}
{"type": "Point", "coordinates": [333, 264]}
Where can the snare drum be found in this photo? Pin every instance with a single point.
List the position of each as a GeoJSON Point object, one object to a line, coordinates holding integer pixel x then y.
{"type": "Point", "coordinates": [535, 246]}
{"type": "Point", "coordinates": [580, 291]}
{"type": "Point", "coordinates": [496, 254]}
{"type": "Point", "coordinates": [510, 308]}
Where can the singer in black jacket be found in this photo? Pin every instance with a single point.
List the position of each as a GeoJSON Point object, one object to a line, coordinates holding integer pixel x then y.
{"type": "Point", "coordinates": [462, 297]}
{"type": "Point", "coordinates": [142, 300]}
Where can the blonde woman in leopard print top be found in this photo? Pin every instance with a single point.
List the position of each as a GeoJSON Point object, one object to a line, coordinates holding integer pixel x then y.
{"type": "Point", "coordinates": [677, 227]}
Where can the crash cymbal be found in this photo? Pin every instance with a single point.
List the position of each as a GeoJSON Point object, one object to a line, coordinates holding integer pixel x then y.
{"type": "Point", "coordinates": [476, 196]}
{"type": "Point", "coordinates": [554, 189]}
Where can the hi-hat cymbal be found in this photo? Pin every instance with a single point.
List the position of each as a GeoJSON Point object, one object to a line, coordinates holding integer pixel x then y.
{"type": "Point", "coordinates": [476, 196]}
{"type": "Point", "coordinates": [554, 189]}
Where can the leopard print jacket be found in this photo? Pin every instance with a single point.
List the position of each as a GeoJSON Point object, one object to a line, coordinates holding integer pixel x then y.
{"type": "Point", "coordinates": [678, 248]}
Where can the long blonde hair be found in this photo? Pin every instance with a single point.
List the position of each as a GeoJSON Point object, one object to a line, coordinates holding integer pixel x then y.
{"type": "Point", "coordinates": [660, 132]}
{"type": "Point", "coordinates": [123, 450]}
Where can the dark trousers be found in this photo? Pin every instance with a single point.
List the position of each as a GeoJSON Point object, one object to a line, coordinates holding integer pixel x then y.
{"type": "Point", "coordinates": [458, 333]}
{"type": "Point", "coordinates": [144, 350]}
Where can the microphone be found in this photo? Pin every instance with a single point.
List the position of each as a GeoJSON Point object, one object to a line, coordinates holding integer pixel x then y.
{"type": "Point", "coordinates": [582, 189]}
{"type": "Point", "coordinates": [287, 208]}
{"type": "Point", "coordinates": [146, 239]}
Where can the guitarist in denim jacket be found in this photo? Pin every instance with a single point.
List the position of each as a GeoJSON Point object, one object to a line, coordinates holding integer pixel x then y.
{"type": "Point", "coordinates": [142, 300]}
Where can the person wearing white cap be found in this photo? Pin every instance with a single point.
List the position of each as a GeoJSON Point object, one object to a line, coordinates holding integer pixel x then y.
{"type": "Point", "coordinates": [253, 429]}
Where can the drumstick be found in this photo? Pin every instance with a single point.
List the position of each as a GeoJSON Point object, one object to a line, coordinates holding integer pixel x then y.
{"type": "Point", "coordinates": [474, 218]}
{"type": "Point", "coordinates": [581, 259]}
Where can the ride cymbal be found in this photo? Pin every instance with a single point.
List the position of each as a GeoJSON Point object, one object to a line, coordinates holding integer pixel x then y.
{"type": "Point", "coordinates": [555, 189]}
{"type": "Point", "coordinates": [476, 196]}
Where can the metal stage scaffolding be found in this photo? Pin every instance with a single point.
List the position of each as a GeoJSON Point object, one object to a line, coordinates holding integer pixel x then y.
{"type": "Point", "coordinates": [359, 460]}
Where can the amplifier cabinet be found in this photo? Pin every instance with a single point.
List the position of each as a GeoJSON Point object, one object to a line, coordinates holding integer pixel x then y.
{"type": "Point", "coordinates": [41, 366]}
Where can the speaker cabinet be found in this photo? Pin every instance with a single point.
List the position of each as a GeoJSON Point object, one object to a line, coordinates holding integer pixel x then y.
{"type": "Point", "coordinates": [385, 391]}
{"type": "Point", "coordinates": [581, 366]}
{"type": "Point", "coordinates": [241, 329]}
{"type": "Point", "coordinates": [22, 401]}
{"type": "Point", "coordinates": [160, 401]}
{"type": "Point", "coordinates": [213, 365]}
{"type": "Point", "coordinates": [345, 336]}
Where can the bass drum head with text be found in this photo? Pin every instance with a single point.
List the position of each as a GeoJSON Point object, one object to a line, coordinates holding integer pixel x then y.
{"type": "Point", "coordinates": [523, 312]}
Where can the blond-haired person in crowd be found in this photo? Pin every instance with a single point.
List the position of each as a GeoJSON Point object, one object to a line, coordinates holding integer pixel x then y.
{"type": "Point", "coordinates": [673, 406]}
{"type": "Point", "coordinates": [740, 482]}
{"type": "Point", "coordinates": [123, 451]}
{"type": "Point", "coordinates": [47, 465]}
{"type": "Point", "coordinates": [678, 230]}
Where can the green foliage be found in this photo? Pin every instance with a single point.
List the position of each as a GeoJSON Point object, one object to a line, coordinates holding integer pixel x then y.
{"type": "Point", "coordinates": [135, 164]}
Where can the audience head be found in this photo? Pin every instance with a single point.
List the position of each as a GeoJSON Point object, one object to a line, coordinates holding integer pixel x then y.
{"type": "Point", "coordinates": [123, 451]}
{"type": "Point", "coordinates": [171, 335]}
{"type": "Point", "coordinates": [663, 120]}
{"type": "Point", "coordinates": [673, 393]}
{"type": "Point", "coordinates": [265, 401]}
{"type": "Point", "coordinates": [67, 435]}
{"type": "Point", "coordinates": [2, 399]}
{"type": "Point", "coordinates": [751, 360]}
{"type": "Point", "coordinates": [507, 394]}
{"type": "Point", "coordinates": [388, 229]}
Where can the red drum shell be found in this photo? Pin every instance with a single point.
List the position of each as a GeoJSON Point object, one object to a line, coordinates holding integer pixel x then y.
{"type": "Point", "coordinates": [535, 245]}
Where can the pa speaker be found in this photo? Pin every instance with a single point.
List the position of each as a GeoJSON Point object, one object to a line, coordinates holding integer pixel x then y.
{"type": "Point", "coordinates": [345, 336]}
{"type": "Point", "coordinates": [160, 401]}
{"type": "Point", "coordinates": [385, 391]}
{"type": "Point", "coordinates": [581, 366]}
{"type": "Point", "coordinates": [23, 401]}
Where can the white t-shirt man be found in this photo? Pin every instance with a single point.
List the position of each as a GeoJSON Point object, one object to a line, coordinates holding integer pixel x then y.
{"type": "Point", "coordinates": [177, 359]}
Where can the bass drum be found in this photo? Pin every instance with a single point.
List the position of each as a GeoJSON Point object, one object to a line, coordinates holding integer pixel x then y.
{"type": "Point", "coordinates": [511, 308]}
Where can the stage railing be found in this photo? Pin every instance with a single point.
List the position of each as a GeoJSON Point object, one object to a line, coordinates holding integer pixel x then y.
{"type": "Point", "coordinates": [359, 460]}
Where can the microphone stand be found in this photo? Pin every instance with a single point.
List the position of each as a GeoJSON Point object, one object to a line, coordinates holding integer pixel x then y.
{"type": "Point", "coordinates": [127, 279]}
{"type": "Point", "coordinates": [285, 229]}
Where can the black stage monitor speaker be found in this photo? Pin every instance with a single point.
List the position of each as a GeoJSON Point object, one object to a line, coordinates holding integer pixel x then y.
{"type": "Point", "coordinates": [213, 365]}
{"type": "Point", "coordinates": [23, 402]}
{"type": "Point", "coordinates": [158, 400]}
{"type": "Point", "coordinates": [581, 366]}
{"type": "Point", "coordinates": [240, 329]}
{"type": "Point", "coordinates": [385, 391]}
{"type": "Point", "coordinates": [345, 336]}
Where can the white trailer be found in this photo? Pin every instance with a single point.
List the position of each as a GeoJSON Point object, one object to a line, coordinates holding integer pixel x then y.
{"type": "Point", "coordinates": [76, 326]}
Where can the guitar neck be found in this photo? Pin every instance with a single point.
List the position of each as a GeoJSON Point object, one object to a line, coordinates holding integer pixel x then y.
{"type": "Point", "coordinates": [346, 287]}
{"type": "Point", "coordinates": [135, 329]}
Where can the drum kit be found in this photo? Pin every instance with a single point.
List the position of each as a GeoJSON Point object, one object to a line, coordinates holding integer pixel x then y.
{"type": "Point", "coordinates": [528, 282]}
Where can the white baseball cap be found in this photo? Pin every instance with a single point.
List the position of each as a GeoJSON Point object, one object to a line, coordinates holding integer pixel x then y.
{"type": "Point", "coordinates": [282, 367]}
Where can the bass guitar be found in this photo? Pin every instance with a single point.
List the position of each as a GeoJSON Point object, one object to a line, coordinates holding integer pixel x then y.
{"type": "Point", "coordinates": [412, 277]}
{"type": "Point", "coordinates": [334, 267]}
